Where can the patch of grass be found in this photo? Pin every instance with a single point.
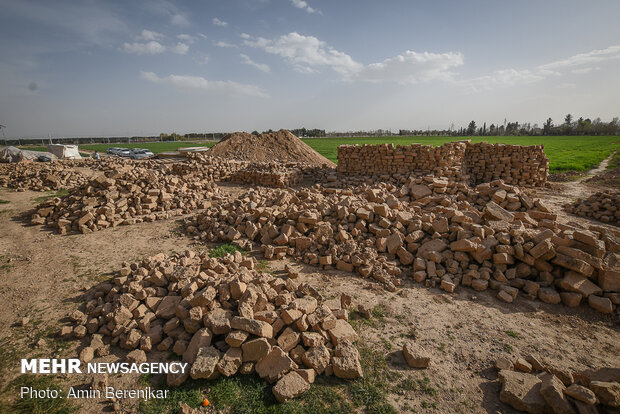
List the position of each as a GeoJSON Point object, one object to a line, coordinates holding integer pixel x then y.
{"type": "Point", "coordinates": [615, 161]}
{"type": "Point", "coordinates": [4, 201]}
{"type": "Point", "coordinates": [508, 348]}
{"type": "Point", "coordinates": [224, 249]}
{"type": "Point", "coordinates": [512, 334]}
{"type": "Point", "coordinates": [578, 153]}
{"type": "Point", "coordinates": [41, 405]}
{"type": "Point", "coordinates": [51, 194]}
{"type": "Point", "coordinates": [263, 266]}
{"type": "Point", "coordinates": [250, 394]}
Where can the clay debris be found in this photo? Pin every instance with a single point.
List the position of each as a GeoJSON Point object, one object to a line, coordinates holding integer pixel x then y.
{"type": "Point", "coordinates": [222, 317]}
{"type": "Point", "coordinates": [125, 196]}
{"type": "Point", "coordinates": [280, 146]}
{"type": "Point", "coordinates": [445, 234]}
{"type": "Point", "coordinates": [603, 206]}
{"type": "Point", "coordinates": [533, 386]}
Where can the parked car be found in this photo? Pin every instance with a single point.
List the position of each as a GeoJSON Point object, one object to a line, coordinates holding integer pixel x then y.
{"type": "Point", "coordinates": [112, 150]}
{"type": "Point", "coordinates": [123, 152]}
{"type": "Point", "coordinates": [140, 153]}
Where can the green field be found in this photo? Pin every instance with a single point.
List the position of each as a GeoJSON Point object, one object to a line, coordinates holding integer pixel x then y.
{"type": "Point", "coordinates": [578, 153]}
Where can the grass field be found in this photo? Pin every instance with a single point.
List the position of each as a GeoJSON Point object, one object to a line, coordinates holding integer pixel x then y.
{"type": "Point", "coordinates": [565, 153]}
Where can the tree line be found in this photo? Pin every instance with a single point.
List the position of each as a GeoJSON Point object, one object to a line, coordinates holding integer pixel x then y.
{"type": "Point", "coordinates": [570, 126]}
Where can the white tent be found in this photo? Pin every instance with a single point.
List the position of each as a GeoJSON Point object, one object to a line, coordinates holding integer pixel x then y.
{"type": "Point", "coordinates": [65, 151]}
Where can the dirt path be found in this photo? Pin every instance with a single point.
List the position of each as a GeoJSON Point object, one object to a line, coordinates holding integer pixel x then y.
{"type": "Point", "coordinates": [598, 170]}
{"type": "Point", "coordinates": [557, 194]}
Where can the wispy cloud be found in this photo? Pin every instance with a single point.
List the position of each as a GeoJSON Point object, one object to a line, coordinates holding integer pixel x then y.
{"type": "Point", "coordinates": [153, 48]}
{"type": "Point", "coordinates": [222, 43]}
{"type": "Point", "coordinates": [260, 66]}
{"type": "Point", "coordinates": [594, 56]}
{"type": "Point", "coordinates": [308, 54]}
{"type": "Point", "coordinates": [583, 71]}
{"type": "Point", "coordinates": [301, 4]}
{"type": "Point", "coordinates": [305, 52]}
{"type": "Point", "coordinates": [219, 22]}
{"type": "Point", "coordinates": [186, 37]}
{"type": "Point", "coordinates": [512, 77]}
{"type": "Point", "coordinates": [198, 83]}
{"type": "Point", "coordinates": [149, 35]}
{"type": "Point", "coordinates": [168, 9]}
{"type": "Point", "coordinates": [412, 67]}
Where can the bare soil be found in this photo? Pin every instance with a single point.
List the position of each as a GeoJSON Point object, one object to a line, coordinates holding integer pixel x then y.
{"type": "Point", "coordinates": [280, 146]}
{"type": "Point", "coordinates": [43, 275]}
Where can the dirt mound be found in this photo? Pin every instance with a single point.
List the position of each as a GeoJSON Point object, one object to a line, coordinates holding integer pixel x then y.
{"type": "Point", "coordinates": [274, 146]}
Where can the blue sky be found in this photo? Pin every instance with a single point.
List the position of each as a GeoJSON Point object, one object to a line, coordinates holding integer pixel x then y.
{"type": "Point", "coordinates": [92, 68]}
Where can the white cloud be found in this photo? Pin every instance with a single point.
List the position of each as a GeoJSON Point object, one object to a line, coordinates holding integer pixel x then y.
{"type": "Point", "coordinates": [179, 48]}
{"type": "Point", "coordinates": [186, 37]}
{"type": "Point", "coordinates": [260, 66]}
{"type": "Point", "coordinates": [585, 70]}
{"type": "Point", "coordinates": [219, 22]}
{"type": "Point", "coordinates": [412, 67]}
{"type": "Point", "coordinates": [149, 35]}
{"type": "Point", "coordinates": [222, 43]}
{"type": "Point", "coordinates": [149, 48]}
{"type": "Point", "coordinates": [501, 78]}
{"type": "Point", "coordinates": [301, 4]}
{"type": "Point", "coordinates": [307, 52]}
{"type": "Point", "coordinates": [511, 77]}
{"type": "Point", "coordinates": [199, 83]}
{"type": "Point", "coordinates": [594, 56]}
{"type": "Point", "coordinates": [179, 20]}
{"type": "Point", "coordinates": [204, 36]}
{"type": "Point", "coordinates": [154, 48]}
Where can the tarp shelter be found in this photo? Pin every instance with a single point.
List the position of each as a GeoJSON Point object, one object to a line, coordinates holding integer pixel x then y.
{"type": "Point", "coordinates": [12, 154]}
{"type": "Point", "coordinates": [65, 151]}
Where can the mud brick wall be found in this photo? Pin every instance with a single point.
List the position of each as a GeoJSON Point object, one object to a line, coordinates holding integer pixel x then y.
{"type": "Point", "coordinates": [478, 163]}
{"type": "Point", "coordinates": [515, 164]}
{"type": "Point", "coordinates": [268, 177]}
{"type": "Point", "coordinates": [445, 160]}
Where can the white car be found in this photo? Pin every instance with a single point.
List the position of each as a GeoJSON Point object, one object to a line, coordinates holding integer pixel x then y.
{"type": "Point", "coordinates": [139, 153]}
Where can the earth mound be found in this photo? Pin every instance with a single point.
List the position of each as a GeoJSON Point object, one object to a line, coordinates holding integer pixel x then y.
{"type": "Point", "coordinates": [273, 146]}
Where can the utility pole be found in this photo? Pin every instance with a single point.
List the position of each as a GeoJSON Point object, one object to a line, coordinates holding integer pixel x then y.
{"type": "Point", "coordinates": [3, 136]}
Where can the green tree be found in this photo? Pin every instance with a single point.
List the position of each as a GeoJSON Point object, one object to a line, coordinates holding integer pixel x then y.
{"type": "Point", "coordinates": [471, 128]}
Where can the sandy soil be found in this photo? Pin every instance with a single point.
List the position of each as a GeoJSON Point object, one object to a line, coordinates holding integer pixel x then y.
{"type": "Point", "coordinates": [42, 276]}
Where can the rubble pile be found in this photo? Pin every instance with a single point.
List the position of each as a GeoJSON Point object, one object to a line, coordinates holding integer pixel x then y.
{"type": "Point", "coordinates": [128, 195]}
{"type": "Point", "coordinates": [41, 176]}
{"type": "Point", "coordinates": [532, 386]}
{"type": "Point", "coordinates": [475, 163]}
{"type": "Point", "coordinates": [443, 234]}
{"type": "Point", "coordinates": [222, 317]}
{"type": "Point", "coordinates": [603, 206]}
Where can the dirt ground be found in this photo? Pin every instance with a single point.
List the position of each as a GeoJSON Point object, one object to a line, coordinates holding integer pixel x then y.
{"type": "Point", "coordinates": [42, 276]}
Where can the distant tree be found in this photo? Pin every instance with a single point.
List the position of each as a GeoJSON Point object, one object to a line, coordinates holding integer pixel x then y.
{"type": "Point", "coordinates": [255, 133]}
{"type": "Point", "coordinates": [568, 119]}
{"type": "Point", "coordinates": [484, 129]}
{"type": "Point", "coordinates": [471, 128]}
{"type": "Point", "coordinates": [548, 126]}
